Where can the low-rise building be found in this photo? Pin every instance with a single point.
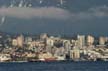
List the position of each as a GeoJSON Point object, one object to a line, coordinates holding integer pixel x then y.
{"type": "Point", "coordinates": [5, 57]}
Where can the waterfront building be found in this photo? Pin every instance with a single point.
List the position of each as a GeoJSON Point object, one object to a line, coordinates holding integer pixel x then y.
{"type": "Point", "coordinates": [45, 55]}
{"type": "Point", "coordinates": [5, 57]}
{"type": "Point", "coordinates": [59, 51]}
{"type": "Point", "coordinates": [90, 40]}
{"type": "Point", "coordinates": [75, 54]}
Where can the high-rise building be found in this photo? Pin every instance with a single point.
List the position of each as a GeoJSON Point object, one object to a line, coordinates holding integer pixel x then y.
{"type": "Point", "coordinates": [90, 40]}
{"type": "Point", "coordinates": [67, 46]}
{"type": "Point", "coordinates": [81, 41]}
{"type": "Point", "coordinates": [20, 40]}
{"type": "Point", "coordinates": [43, 36]}
{"type": "Point", "coordinates": [14, 42]}
{"type": "Point", "coordinates": [102, 40]}
{"type": "Point", "coordinates": [50, 42]}
{"type": "Point", "coordinates": [28, 40]}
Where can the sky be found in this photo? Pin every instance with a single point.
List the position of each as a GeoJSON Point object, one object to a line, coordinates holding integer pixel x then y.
{"type": "Point", "coordinates": [54, 16]}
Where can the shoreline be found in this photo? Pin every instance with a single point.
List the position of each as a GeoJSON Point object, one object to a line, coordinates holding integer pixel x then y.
{"type": "Point", "coordinates": [50, 61]}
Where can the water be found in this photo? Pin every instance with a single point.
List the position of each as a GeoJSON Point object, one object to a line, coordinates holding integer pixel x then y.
{"type": "Point", "coordinates": [55, 66]}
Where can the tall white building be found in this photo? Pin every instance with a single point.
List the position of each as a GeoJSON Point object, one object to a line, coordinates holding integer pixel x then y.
{"type": "Point", "coordinates": [50, 42]}
{"type": "Point", "coordinates": [81, 41]}
{"type": "Point", "coordinates": [20, 41]}
{"type": "Point", "coordinates": [102, 40]}
{"type": "Point", "coordinates": [90, 40]}
{"type": "Point", "coordinates": [14, 42]}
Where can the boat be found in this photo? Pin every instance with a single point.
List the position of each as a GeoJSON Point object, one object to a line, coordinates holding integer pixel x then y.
{"type": "Point", "coordinates": [50, 59]}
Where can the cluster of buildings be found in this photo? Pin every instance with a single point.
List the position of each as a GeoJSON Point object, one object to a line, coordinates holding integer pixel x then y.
{"type": "Point", "coordinates": [52, 48]}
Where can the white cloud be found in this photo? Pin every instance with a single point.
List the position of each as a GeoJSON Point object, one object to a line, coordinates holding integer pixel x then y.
{"type": "Point", "coordinates": [44, 12]}
{"type": "Point", "coordinates": [54, 13]}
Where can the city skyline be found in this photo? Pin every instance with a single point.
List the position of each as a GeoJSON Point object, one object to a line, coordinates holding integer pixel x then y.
{"type": "Point", "coordinates": [44, 47]}
{"type": "Point", "coordinates": [53, 35]}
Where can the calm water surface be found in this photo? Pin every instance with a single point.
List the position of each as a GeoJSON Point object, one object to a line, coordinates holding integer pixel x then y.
{"type": "Point", "coordinates": [55, 66]}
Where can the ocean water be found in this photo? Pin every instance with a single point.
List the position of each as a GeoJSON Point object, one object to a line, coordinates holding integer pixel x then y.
{"type": "Point", "coordinates": [55, 66]}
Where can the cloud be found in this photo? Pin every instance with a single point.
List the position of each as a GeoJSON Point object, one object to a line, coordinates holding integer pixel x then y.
{"type": "Point", "coordinates": [90, 14]}
{"type": "Point", "coordinates": [101, 11]}
{"type": "Point", "coordinates": [43, 12]}
{"type": "Point", "coordinates": [96, 12]}
{"type": "Point", "coordinates": [54, 13]}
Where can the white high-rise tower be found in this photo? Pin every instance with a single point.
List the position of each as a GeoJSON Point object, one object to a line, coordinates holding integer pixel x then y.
{"type": "Point", "coordinates": [81, 40]}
